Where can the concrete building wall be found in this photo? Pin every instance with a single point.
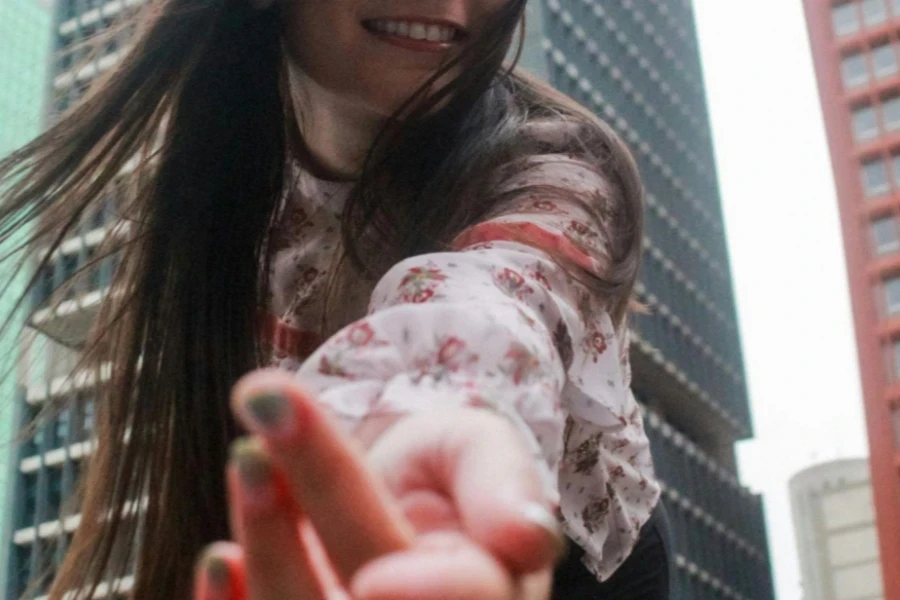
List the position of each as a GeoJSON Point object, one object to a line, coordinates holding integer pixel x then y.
{"type": "Point", "coordinates": [837, 541]}
{"type": "Point", "coordinates": [856, 51]}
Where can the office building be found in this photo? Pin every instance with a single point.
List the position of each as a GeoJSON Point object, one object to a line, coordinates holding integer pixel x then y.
{"type": "Point", "coordinates": [855, 48]}
{"type": "Point", "coordinates": [834, 519]}
{"type": "Point", "coordinates": [637, 65]}
{"type": "Point", "coordinates": [24, 50]}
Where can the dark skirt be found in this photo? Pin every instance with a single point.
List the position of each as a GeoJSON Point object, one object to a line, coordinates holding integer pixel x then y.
{"type": "Point", "coordinates": [643, 576]}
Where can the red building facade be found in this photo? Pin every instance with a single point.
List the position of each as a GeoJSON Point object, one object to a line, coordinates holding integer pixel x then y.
{"type": "Point", "coordinates": [856, 49]}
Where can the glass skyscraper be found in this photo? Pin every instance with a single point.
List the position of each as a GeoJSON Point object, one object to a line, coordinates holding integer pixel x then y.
{"type": "Point", "coordinates": [636, 64]}
{"type": "Point", "coordinates": [24, 49]}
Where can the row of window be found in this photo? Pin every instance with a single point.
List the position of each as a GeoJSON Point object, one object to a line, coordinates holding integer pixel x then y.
{"type": "Point", "coordinates": [65, 427]}
{"type": "Point", "coordinates": [69, 9]}
{"type": "Point", "coordinates": [683, 352]}
{"type": "Point", "coordinates": [683, 75]}
{"type": "Point", "coordinates": [33, 567]}
{"type": "Point", "coordinates": [75, 273]}
{"type": "Point", "coordinates": [63, 267]}
{"type": "Point", "coordinates": [47, 494]}
{"type": "Point", "coordinates": [722, 390]}
{"type": "Point", "coordinates": [701, 219]}
{"type": "Point", "coordinates": [76, 56]}
{"type": "Point", "coordinates": [690, 585]}
{"type": "Point", "coordinates": [718, 556]}
{"type": "Point", "coordinates": [876, 179]}
{"type": "Point", "coordinates": [676, 63]}
{"type": "Point", "coordinates": [861, 68]}
{"type": "Point", "coordinates": [885, 235]}
{"type": "Point", "coordinates": [870, 121]}
{"type": "Point", "coordinates": [635, 93]}
{"type": "Point", "coordinates": [681, 465]}
{"type": "Point", "coordinates": [891, 296]}
{"type": "Point", "coordinates": [631, 48]}
{"type": "Point", "coordinates": [672, 238]}
{"type": "Point", "coordinates": [850, 18]}
{"type": "Point", "coordinates": [892, 358]}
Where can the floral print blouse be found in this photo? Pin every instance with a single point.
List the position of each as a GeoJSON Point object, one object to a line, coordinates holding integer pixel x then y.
{"type": "Point", "coordinates": [495, 323]}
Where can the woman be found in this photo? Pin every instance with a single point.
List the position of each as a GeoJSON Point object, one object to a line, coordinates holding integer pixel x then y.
{"type": "Point", "coordinates": [438, 250]}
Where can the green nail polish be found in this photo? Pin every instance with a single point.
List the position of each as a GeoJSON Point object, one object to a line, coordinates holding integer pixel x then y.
{"type": "Point", "coordinates": [252, 463]}
{"type": "Point", "coordinates": [217, 573]}
{"type": "Point", "coordinates": [269, 411]}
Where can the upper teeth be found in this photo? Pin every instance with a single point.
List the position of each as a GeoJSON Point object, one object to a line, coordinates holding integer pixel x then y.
{"type": "Point", "coordinates": [416, 31]}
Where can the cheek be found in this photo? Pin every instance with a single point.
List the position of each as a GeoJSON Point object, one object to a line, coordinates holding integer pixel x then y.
{"type": "Point", "coordinates": [317, 45]}
{"type": "Point", "coordinates": [340, 56]}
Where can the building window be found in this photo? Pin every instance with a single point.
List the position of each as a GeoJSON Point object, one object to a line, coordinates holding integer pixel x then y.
{"type": "Point", "coordinates": [885, 235]}
{"type": "Point", "coordinates": [875, 180]}
{"type": "Point", "coordinates": [865, 123]}
{"type": "Point", "coordinates": [895, 161]}
{"type": "Point", "coordinates": [54, 494]}
{"type": "Point", "coordinates": [855, 71]}
{"type": "Point", "coordinates": [894, 361]}
{"type": "Point", "coordinates": [892, 296]}
{"type": "Point", "coordinates": [884, 60]}
{"type": "Point", "coordinates": [891, 112]}
{"type": "Point", "coordinates": [29, 500]}
{"type": "Point", "coordinates": [61, 429]}
{"type": "Point", "coordinates": [874, 12]}
{"type": "Point", "coordinates": [22, 573]}
{"type": "Point", "coordinates": [88, 418]}
{"type": "Point", "coordinates": [846, 19]}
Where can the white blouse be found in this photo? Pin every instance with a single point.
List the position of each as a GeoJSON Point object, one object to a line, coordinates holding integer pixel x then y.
{"type": "Point", "coordinates": [494, 323]}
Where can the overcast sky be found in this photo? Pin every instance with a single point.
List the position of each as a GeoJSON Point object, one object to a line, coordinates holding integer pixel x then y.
{"type": "Point", "coordinates": [786, 253]}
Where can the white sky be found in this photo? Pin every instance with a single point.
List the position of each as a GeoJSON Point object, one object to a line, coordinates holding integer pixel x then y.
{"type": "Point", "coordinates": [786, 253]}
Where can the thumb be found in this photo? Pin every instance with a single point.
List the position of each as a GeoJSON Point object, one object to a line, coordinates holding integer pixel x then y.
{"type": "Point", "coordinates": [482, 465]}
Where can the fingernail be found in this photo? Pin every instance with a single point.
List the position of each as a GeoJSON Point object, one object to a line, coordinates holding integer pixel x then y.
{"type": "Point", "coordinates": [537, 514]}
{"type": "Point", "coordinates": [217, 577]}
{"type": "Point", "coordinates": [254, 470]}
{"type": "Point", "coordinates": [269, 412]}
{"type": "Point", "coordinates": [217, 573]}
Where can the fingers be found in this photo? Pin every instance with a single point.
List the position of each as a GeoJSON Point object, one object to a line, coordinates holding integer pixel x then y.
{"type": "Point", "coordinates": [220, 573]}
{"type": "Point", "coordinates": [478, 461]}
{"type": "Point", "coordinates": [501, 500]}
{"type": "Point", "coordinates": [429, 510]}
{"type": "Point", "coordinates": [349, 508]}
{"type": "Point", "coordinates": [442, 566]}
{"type": "Point", "coordinates": [265, 522]}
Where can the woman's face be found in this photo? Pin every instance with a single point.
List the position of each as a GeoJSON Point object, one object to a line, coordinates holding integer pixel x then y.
{"type": "Point", "coordinates": [375, 53]}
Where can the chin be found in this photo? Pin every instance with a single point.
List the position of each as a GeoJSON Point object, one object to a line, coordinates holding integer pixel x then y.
{"type": "Point", "coordinates": [386, 98]}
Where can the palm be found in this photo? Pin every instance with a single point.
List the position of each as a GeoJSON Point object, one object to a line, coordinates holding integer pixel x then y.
{"type": "Point", "coordinates": [443, 506]}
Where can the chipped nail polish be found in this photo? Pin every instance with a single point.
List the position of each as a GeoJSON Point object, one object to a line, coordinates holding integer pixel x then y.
{"type": "Point", "coordinates": [270, 412]}
{"type": "Point", "coordinates": [254, 470]}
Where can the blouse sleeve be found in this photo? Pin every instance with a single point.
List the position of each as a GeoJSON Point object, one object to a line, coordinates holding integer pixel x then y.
{"type": "Point", "coordinates": [496, 323]}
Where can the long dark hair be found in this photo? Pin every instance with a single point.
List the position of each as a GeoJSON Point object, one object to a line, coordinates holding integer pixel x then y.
{"type": "Point", "coordinates": [198, 108]}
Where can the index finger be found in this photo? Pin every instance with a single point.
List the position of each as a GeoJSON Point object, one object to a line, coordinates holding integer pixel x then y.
{"type": "Point", "coordinates": [326, 472]}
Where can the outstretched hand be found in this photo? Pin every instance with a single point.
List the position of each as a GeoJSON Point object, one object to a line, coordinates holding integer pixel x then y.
{"type": "Point", "coordinates": [444, 505]}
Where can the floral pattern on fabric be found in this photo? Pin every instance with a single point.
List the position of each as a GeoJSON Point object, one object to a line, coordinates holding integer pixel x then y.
{"type": "Point", "coordinates": [497, 323]}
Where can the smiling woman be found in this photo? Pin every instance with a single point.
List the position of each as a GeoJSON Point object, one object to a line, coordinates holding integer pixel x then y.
{"type": "Point", "coordinates": [438, 250]}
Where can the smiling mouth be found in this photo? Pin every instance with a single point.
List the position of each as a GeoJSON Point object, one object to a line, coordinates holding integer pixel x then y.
{"type": "Point", "coordinates": [416, 34]}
